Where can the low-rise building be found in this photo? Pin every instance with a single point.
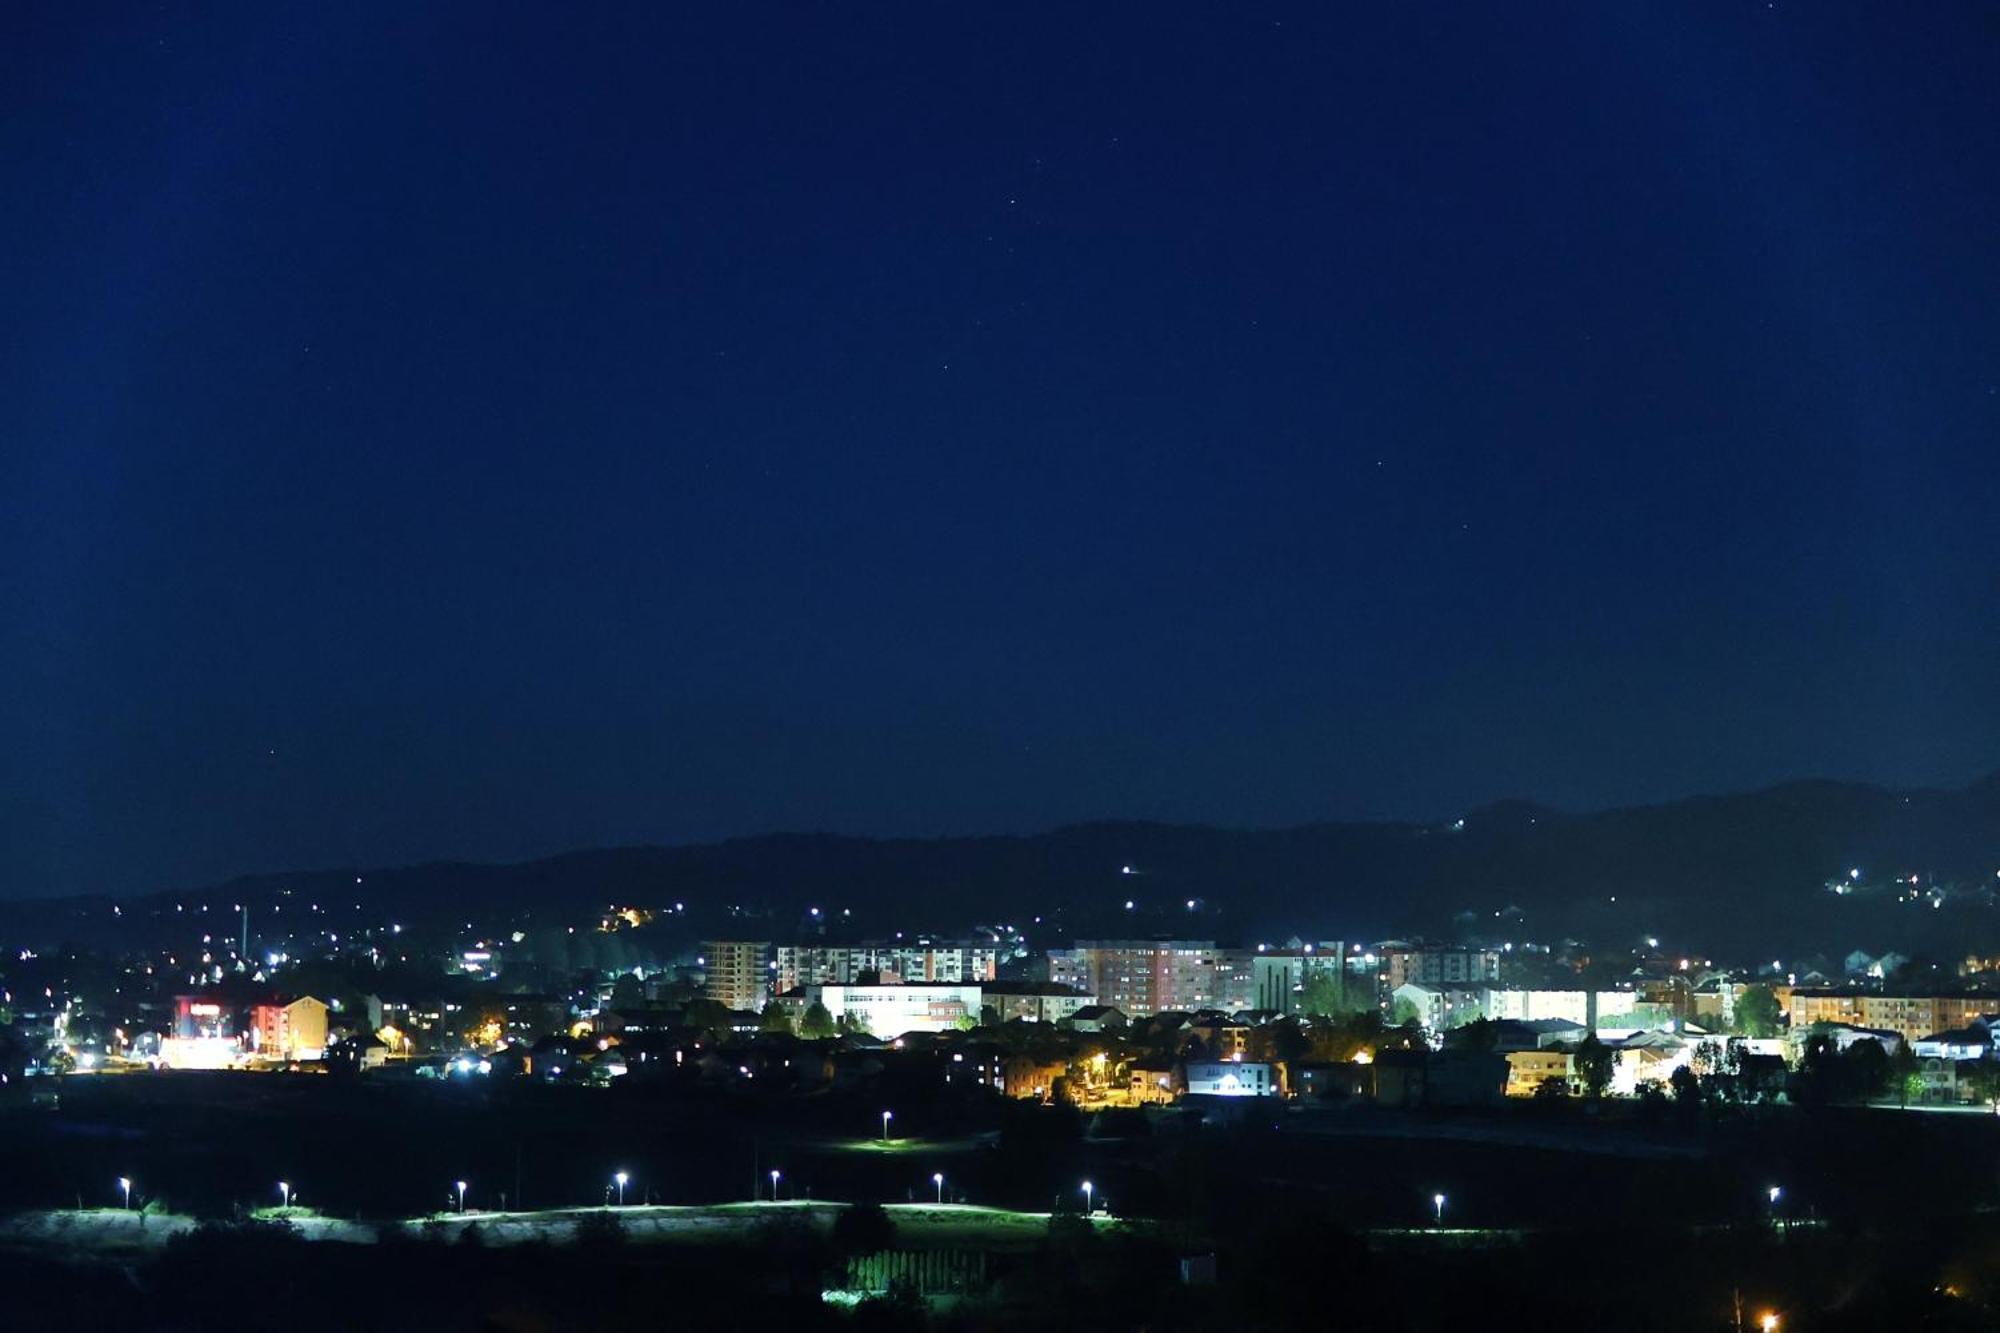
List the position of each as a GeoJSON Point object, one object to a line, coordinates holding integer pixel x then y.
{"type": "Point", "coordinates": [1034, 1001]}
{"type": "Point", "coordinates": [1977, 1040]}
{"type": "Point", "coordinates": [1027, 1077]}
{"type": "Point", "coordinates": [980, 1065]}
{"type": "Point", "coordinates": [1446, 1005]}
{"type": "Point", "coordinates": [892, 1011]}
{"type": "Point", "coordinates": [1439, 1078]}
{"type": "Point", "coordinates": [1440, 1007]}
{"type": "Point", "coordinates": [1097, 1018]}
{"type": "Point", "coordinates": [1528, 1069]}
{"type": "Point", "coordinates": [1228, 1078]}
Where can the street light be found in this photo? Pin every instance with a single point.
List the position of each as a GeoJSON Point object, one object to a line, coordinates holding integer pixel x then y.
{"type": "Point", "coordinates": [887, 1116]}
{"type": "Point", "coordinates": [461, 1196]}
{"type": "Point", "coordinates": [774, 1186]}
{"type": "Point", "coordinates": [1086, 1198]}
{"type": "Point", "coordinates": [621, 1178]}
{"type": "Point", "coordinates": [126, 1185]}
{"type": "Point", "coordinates": [1437, 1202]}
{"type": "Point", "coordinates": [1768, 1321]}
{"type": "Point", "coordinates": [285, 1190]}
{"type": "Point", "coordinates": [937, 1179]}
{"type": "Point", "coordinates": [1774, 1192]}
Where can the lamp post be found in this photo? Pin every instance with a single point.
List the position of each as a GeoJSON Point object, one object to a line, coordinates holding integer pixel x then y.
{"type": "Point", "coordinates": [1086, 1198]}
{"type": "Point", "coordinates": [125, 1184]}
{"type": "Point", "coordinates": [285, 1192]}
{"type": "Point", "coordinates": [461, 1196]}
{"type": "Point", "coordinates": [774, 1185]}
{"type": "Point", "coordinates": [621, 1178]}
{"type": "Point", "coordinates": [887, 1116]}
{"type": "Point", "coordinates": [937, 1179]}
{"type": "Point", "coordinates": [1437, 1202]}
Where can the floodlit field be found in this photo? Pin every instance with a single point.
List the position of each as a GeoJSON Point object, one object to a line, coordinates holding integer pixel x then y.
{"type": "Point", "coordinates": [111, 1232]}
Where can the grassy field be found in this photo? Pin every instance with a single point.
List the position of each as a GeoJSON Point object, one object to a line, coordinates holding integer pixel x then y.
{"type": "Point", "coordinates": [114, 1232]}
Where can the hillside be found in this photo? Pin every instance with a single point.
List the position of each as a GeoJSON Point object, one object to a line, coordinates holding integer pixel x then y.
{"type": "Point", "coordinates": [1729, 874]}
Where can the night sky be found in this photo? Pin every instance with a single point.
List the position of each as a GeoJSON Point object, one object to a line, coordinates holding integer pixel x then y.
{"type": "Point", "coordinates": [478, 431]}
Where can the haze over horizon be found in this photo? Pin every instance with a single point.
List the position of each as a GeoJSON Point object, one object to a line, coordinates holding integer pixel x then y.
{"type": "Point", "coordinates": [438, 439]}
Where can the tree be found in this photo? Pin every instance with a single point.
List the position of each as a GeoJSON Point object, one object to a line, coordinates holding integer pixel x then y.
{"type": "Point", "coordinates": [1324, 994]}
{"type": "Point", "coordinates": [863, 1228]}
{"type": "Point", "coordinates": [1903, 1075]}
{"type": "Point", "coordinates": [1594, 1061]}
{"type": "Point", "coordinates": [816, 1022]}
{"type": "Point", "coordinates": [1867, 1069]}
{"type": "Point", "coordinates": [1287, 1041]}
{"type": "Point", "coordinates": [627, 993]}
{"type": "Point", "coordinates": [597, 1230]}
{"type": "Point", "coordinates": [1403, 1012]}
{"type": "Point", "coordinates": [1338, 1040]}
{"type": "Point", "coordinates": [1687, 1088]}
{"type": "Point", "coordinates": [706, 1014]}
{"type": "Point", "coordinates": [775, 1019]}
{"type": "Point", "coordinates": [1481, 1034]}
{"type": "Point", "coordinates": [1757, 1012]}
{"type": "Point", "coordinates": [1983, 1077]}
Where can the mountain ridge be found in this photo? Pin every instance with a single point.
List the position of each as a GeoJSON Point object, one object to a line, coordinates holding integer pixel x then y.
{"type": "Point", "coordinates": [1717, 872]}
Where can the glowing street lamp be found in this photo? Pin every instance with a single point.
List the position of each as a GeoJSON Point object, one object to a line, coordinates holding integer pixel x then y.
{"type": "Point", "coordinates": [1774, 1192]}
{"type": "Point", "coordinates": [937, 1179]}
{"type": "Point", "coordinates": [1768, 1321]}
{"type": "Point", "coordinates": [1086, 1198]}
{"type": "Point", "coordinates": [126, 1185]}
{"type": "Point", "coordinates": [285, 1192]}
{"type": "Point", "coordinates": [887, 1116]}
{"type": "Point", "coordinates": [1437, 1202]}
{"type": "Point", "coordinates": [774, 1185]}
{"type": "Point", "coordinates": [620, 1179]}
{"type": "Point", "coordinates": [461, 1196]}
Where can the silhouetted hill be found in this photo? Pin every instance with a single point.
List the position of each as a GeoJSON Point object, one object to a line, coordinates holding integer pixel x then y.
{"type": "Point", "coordinates": [1726, 874]}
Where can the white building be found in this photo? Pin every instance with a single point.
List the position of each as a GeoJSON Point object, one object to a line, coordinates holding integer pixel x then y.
{"type": "Point", "coordinates": [1573, 1005]}
{"type": "Point", "coordinates": [891, 1011]}
{"type": "Point", "coordinates": [1448, 1004]}
{"type": "Point", "coordinates": [1442, 1006]}
{"type": "Point", "coordinates": [1227, 1078]}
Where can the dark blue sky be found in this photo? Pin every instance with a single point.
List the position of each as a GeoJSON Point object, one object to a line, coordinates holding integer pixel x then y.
{"type": "Point", "coordinates": [483, 430]}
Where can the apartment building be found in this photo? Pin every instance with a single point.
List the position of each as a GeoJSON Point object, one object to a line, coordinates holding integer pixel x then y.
{"type": "Point", "coordinates": [1140, 978]}
{"type": "Point", "coordinates": [738, 972]}
{"type": "Point", "coordinates": [1909, 1014]}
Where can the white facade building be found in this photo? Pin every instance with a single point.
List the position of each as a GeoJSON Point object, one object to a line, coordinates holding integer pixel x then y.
{"type": "Point", "coordinates": [891, 1011]}
{"type": "Point", "coordinates": [1228, 1078]}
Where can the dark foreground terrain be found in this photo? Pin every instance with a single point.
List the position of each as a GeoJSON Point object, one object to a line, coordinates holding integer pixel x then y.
{"type": "Point", "coordinates": [1653, 1217]}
